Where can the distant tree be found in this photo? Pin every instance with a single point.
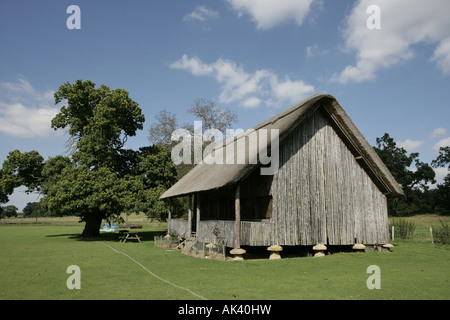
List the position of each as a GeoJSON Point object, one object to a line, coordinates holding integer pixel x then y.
{"type": "Point", "coordinates": [156, 171]}
{"type": "Point", "coordinates": [33, 209]}
{"type": "Point", "coordinates": [212, 116]}
{"type": "Point", "coordinates": [160, 133]}
{"type": "Point", "coordinates": [414, 182]}
{"type": "Point", "coordinates": [207, 111]}
{"type": "Point", "coordinates": [443, 159]}
{"type": "Point", "coordinates": [442, 194]}
{"type": "Point", "coordinates": [10, 211]}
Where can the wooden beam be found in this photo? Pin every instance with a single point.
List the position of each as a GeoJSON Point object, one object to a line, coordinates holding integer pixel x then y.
{"type": "Point", "coordinates": [170, 210]}
{"type": "Point", "coordinates": [237, 223]}
{"type": "Point", "coordinates": [190, 216]}
{"type": "Point", "coordinates": [198, 214]}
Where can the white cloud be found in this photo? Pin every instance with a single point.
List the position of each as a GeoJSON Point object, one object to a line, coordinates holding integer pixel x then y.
{"type": "Point", "coordinates": [24, 111]}
{"type": "Point", "coordinates": [251, 102]}
{"type": "Point", "coordinates": [442, 56]}
{"type": "Point", "coordinates": [248, 89]}
{"type": "Point", "coordinates": [291, 91]}
{"type": "Point", "coordinates": [404, 23]}
{"type": "Point", "coordinates": [441, 173]}
{"type": "Point", "coordinates": [269, 13]}
{"type": "Point", "coordinates": [438, 132]}
{"type": "Point", "coordinates": [311, 51]}
{"type": "Point", "coordinates": [410, 145]}
{"type": "Point", "coordinates": [201, 13]}
{"type": "Point", "coordinates": [441, 143]}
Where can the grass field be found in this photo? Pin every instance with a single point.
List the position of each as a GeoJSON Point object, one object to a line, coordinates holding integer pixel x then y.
{"type": "Point", "coordinates": [34, 258]}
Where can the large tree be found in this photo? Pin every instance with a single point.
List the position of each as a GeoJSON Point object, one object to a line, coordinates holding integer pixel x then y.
{"type": "Point", "coordinates": [99, 122]}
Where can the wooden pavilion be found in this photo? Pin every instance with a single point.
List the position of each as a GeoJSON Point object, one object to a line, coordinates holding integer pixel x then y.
{"type": "Point", "coordinates": [330, 188]}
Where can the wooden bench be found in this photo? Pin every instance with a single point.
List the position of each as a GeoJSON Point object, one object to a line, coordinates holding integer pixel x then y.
{"type": "Point", "coordinates": [125, 235]}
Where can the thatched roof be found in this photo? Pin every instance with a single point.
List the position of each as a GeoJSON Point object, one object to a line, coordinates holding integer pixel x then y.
{"type": "Point", "coordinates": [207, 177]}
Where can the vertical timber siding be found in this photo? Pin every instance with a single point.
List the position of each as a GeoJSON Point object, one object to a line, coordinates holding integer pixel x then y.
{"type": "Point", "coordinates": [321, 194]}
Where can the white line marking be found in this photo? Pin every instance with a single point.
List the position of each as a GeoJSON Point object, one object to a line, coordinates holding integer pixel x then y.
{"type": "Point", "coordinates": [156, 276]}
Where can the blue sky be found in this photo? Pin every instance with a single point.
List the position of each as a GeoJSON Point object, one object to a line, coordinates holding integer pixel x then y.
{"type": "Point", "coordinates": [256, 57]}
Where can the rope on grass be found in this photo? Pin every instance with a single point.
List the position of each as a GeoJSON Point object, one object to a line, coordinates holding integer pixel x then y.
{"type": "Point", "coordinates": [156, 276]}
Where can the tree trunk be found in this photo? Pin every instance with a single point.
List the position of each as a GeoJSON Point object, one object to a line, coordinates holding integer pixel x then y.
{"type": "Point", "coordinates": [92, 227]}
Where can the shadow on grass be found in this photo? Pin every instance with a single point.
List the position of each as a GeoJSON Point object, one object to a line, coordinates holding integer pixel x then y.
{"type": "Point", "coordinates": [113, 236]}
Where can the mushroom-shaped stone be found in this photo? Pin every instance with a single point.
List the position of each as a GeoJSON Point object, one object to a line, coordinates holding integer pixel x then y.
{"type": "Point", "coordinates": [388, 246]}
{"type": "Point", "coordinates": [210, 246]}
{"type": "Point", "coordinates": [319, 254]}
{"type": "Point", "coordinates": [320, 247]}
{"type": "Point", "coordinates": [275, 252]}
{"type": "Point", "coordinates": [359, 246]}
{"type": "Point", "coordinates": [238, 253]}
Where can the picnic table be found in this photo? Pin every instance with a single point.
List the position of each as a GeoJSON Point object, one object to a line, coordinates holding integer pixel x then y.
{"type": "Point", "coordinates": [125, 235]}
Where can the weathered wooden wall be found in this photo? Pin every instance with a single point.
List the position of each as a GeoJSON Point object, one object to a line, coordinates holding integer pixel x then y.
{"type": "Point", "coordinates": [253, 233]}
{"type": "Point", "coordinates": [180, 226]}
{"type": "Point", "coordinates": [321, 194]}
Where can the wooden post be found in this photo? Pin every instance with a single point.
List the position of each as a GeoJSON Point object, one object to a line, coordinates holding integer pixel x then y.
{"type": "Point", "coordinates": [198, 214]}
{"type": "Point", "coordinates": [170, 210]}
{"type": "Point", "coordinates": [190, 216]}
{"type": "Point", "coordinates": [237, 211]}
{"type": "Point", "coordinates": [203, 248]}
{"type": "Point", "coordinates": [431, 233]}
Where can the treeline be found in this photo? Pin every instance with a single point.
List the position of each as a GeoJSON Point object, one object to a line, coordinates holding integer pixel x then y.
{"type": "Point", "coordinates": [416, 178]}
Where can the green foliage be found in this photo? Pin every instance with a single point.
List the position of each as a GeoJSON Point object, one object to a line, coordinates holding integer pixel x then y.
{"type": "Point", "coordinates": [4, 189]}
{"type": "Point", "coordinates": [442, 233]}
{"type": "Point", "coordinates": [10, 211]}
{"type": "Point", "coordinates": [443, 159]}
{"type": "Point", "coordinates": [33, 209]}
{"type": "Point", "coordinates": [442, 197]}
{"type": "Point", "coordinates": [82, 192]}
{"type": "Point", "coordinates": [99, 121]}
{"type": "Point", "coordinates": [22, 169]}
{"type": "Point", "coordinates": [155, 167]}
{"type": "Point", "coordinates": [414, 182]}
{"type": "Point", "coordinates": [403, 228]}
{"type": "Point", "coordinates": [97, 183]}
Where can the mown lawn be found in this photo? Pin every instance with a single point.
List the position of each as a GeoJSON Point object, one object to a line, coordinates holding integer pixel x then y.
{"type": "Point", "coordinates": [34, 259]}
